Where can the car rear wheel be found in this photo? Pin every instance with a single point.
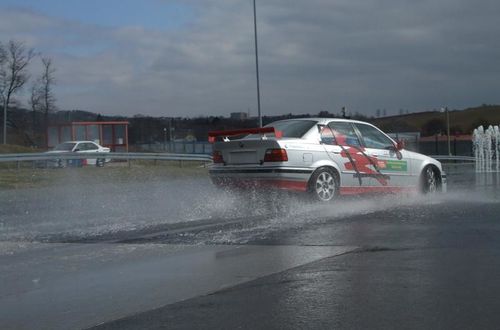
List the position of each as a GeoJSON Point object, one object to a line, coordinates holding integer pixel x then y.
{"type": "Point", "coordinates": [324, 184]}
{"type": "Point", "coordinates": [430, 180]}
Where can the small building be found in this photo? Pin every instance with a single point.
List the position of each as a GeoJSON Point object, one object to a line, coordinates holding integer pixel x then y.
{"type": "Point", "coordinates": [111, 134]}
{"type": "Point", "coordinates": [239, 115]}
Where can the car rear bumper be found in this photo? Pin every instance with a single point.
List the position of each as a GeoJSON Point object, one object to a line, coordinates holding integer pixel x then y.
{"type": "Point", "coordinates": [295, 179]}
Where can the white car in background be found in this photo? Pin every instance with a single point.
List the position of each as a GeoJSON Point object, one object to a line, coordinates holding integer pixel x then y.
{"type": "Point", "coordinates": [80, 147]}
{"type": "Point", "coordinates": [324, 157]}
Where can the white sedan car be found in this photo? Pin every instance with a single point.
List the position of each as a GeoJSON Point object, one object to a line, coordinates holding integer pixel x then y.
{"type": "Point", "coordinates": [80, 147]}
{"type": "Point", "coordinates": [324, 157]}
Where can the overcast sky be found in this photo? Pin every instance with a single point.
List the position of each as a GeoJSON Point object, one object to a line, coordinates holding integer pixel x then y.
{"type": "Point", "coordinates": [196, 57]}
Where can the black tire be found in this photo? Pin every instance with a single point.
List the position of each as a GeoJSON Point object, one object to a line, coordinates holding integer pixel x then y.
{"type": "Point", "coordinates": [429, 180]}
{"type": "Point", "coordinates": [324, 184]}
{"type": "Point", "coordinates": [100, 162]}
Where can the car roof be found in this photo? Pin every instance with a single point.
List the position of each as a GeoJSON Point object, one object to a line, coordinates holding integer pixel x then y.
{"type": "Point", "coordinates": [325, 120]}
{"type": "Point", "coordinates": [77, 141]}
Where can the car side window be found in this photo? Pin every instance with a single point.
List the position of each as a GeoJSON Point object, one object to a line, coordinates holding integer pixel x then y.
{"type": "Point", "coordinates": [344, 133]}
{"type": "Point", "coordinates": [91, 146]}
{"type": "Point", "coordinates": [373, 138]}
{"type": "Point", "coordinates": [327, 136]}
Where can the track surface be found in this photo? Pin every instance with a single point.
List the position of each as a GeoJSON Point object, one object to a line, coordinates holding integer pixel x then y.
{"type": "Point", "coordinates": [390, 262]}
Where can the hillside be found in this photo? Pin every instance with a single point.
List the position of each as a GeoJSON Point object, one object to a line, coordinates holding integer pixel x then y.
{"type": "Point", "coordinates": [143, 129]}
{"type": "Point", "coordinates": [432, 122]}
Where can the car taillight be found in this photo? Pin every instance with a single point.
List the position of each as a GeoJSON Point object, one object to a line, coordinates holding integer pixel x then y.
{"type": "Point", "coordinates": [217, 157]}
{"type": "Point", "coordinates": [276, 155]}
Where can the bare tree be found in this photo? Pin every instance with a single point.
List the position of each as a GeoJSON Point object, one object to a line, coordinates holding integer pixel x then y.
{"type": "Point", "coordinates": [3, 54]}
{"type": "Point", "coordinates": [35, 102]}
{"type": "Point", "coordinates": [48, 99]}
{"type": "Point", "coordinates": [13, 74]}
{"type": "Point", "coordinates": [42, 97]}
{"type": "Point", "coordinates": [3, 60]}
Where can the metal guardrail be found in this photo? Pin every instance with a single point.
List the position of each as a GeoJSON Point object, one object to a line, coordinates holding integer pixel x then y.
{"type": "Point", "coordinates": [456, 166]}
{"type": "Point", "coordinates": [150, 156]}
{"type": "Point", "coordinates": [100, 155]}
{"type": "Point", "coordinates": [454, 158]}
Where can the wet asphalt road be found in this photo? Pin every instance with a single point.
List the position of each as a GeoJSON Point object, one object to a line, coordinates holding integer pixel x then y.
{"type": "Point", "coordinates": [396, 262]}
{"type": "Point", "coordinates": [434, 266]}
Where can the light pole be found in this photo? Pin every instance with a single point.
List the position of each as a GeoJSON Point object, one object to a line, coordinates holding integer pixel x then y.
{"type": "Point", "coordinates": [447, 114]}
{"type": "Point", "coordinates": [164, 139]}
{"type": "Point", "coordinates": [170, 130]}
{"type": "Point", "coordinates": [257, 62]}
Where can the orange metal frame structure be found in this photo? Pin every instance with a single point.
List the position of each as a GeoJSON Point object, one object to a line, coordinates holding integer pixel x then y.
{"type": "Point", "coordinates": [73, 125]}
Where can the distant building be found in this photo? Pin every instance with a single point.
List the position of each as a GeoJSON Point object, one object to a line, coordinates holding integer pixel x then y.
{"type": "Point", "coordinates": [239, 115]}
{"type": "Point", "coordinates": [111, 134]}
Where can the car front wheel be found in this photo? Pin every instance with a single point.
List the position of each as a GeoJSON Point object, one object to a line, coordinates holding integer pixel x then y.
{"type": "Point", "coordinates": [324, 184]}
{"type": "Point", "coordinates": [430, 181]}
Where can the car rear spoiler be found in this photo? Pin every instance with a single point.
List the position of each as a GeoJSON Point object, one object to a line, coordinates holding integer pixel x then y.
{"type": "Point", "coordinates": [213, 134]}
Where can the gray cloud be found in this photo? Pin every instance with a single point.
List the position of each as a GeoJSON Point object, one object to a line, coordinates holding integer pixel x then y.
{"type": "Point", "coordinates": [314, 55]}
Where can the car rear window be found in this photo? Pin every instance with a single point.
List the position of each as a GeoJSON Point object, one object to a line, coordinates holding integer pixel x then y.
{"type": "Point", "coordinates": [289, 128]}
{"type": "Point", "coordinates": [64, 146]}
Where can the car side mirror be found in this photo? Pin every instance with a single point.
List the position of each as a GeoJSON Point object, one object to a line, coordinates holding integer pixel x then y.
{"type": "Point", "coordinates": [76, 150]}
{"type": "Point", "coordinates": [400, 145]}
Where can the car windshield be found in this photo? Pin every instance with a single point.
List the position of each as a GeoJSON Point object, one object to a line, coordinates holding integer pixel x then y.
{"type": "Point", "coordinates": [289, 128]}
{"type": "Point", "coordinates": [67, 146]}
